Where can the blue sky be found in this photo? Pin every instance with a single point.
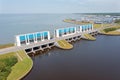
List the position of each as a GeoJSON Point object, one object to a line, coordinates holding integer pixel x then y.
{"type": "Point", "coordinates": [59, 6]}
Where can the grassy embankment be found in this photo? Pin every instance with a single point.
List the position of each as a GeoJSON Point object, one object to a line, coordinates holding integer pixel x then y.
{"type": "Point", "coordinates": [96, 26]}
{"type": "Point", "coordinates": [6, 45]}
{"type": "Point", "coordinates": [111, 31]}
{"type": "Point", "coordinates": [6, 62]}
{"type": "Point", "coordinates": [64, 44]}
{"type": "Point", "coordinates": [19, 69]}
{"type": "Point", "coordinates": [117, 21]}
{"type": "Point", "coordinates": [108, 31]}
{"type": "Point", "coordinates": [89, 37]}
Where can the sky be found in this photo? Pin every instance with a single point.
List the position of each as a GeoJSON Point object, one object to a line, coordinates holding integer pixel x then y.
{"type": "Point", "coordinates": [59, 6]}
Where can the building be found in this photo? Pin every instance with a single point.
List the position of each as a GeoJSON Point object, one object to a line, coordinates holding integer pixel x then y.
{"type": "Point", "coordinates": [65, 31]}
{"type": "Point", "coordinates": [72, 30]}
{"type": "Point", "coordinates": [26, 39]}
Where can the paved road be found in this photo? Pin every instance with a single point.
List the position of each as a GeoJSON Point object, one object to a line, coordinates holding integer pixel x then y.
{"type": "Point", "coordinates": [7, 50]}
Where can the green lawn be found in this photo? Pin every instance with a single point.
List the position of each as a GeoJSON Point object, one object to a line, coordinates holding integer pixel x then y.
{"type": "Point", "coordinates": [18, 70]}
{"type": "Point", "coordinates": [22, 67]}
{"type": "Point", "coordinates": [111, 31]}
{"type": "Point", "coordinates": [7, 61]}
{"type": "Point", "coordinates": [64, 44]}
{"type": "Point", "coordinates": [6, 45]}
{"type": "Point", "coordinates": [89, 37]}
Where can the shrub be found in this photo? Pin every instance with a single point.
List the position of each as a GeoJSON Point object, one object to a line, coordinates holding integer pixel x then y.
{"type": "Point", "coordinates": [110, 29]}
{"type": "Point", "coordinates": [117, 21]}
{"type": "Point", "coordinates": [5, 66]}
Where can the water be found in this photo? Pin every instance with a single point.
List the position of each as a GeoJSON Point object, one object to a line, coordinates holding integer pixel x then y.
{"type": "Point", "coordinates": [13, 24]}
{"type": "Point", "coordinates": [88, 60]}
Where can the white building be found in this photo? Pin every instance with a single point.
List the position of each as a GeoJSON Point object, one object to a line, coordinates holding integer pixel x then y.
{"type": "Point", "coordinates": [64, 31]}
{"type": "Point", "coordinates": [84, 28]}
{"type": "Point", "coordinates": [26, 39]}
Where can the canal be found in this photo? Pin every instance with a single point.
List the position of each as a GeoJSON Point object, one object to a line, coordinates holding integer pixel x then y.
{"type": "Point", "coordinates": [88, 60]}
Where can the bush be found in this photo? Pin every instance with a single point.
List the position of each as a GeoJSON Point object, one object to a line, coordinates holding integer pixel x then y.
{"type": "Point", "coordinates": [117, 21]}
{"type": "Point", "coordinates": [5, 66]}
{"type": "Point", "coordinates": [110, 29]}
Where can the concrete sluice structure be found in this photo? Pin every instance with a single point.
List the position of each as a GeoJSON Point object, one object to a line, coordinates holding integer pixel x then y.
{"type": "Point", "coordinates": [41, 41]}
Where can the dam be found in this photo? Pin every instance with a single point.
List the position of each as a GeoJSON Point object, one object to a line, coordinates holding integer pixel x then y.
{"type": "Point", "coordinates": [39, 41]}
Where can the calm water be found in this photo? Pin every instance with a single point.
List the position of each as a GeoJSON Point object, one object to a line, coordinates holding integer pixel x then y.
{"type": "Point", "coordinates": [13, 24]}
{"type": "Point", "coordinates": [88, 60]}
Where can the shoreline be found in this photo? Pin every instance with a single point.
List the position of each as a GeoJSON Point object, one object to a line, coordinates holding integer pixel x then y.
{"type": "Point", "coordinates": [23, 66]}
{"type": "Point", "coordinates": [18, 72]}
{"type": "Point", "coordinates": [26, 72]}
{"type": "Point", "coordinates": [31, 65]}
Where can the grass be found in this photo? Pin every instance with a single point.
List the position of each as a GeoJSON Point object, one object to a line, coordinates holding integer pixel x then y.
{"type": "Point", "coordinates": [111, 33]}
{"type": "Point", "coordinates": [110, 29]}
{"type": "Point", "coordinates": [64, 44]}
{"type": "Point", "coordinates": [21, 68]}
{"type": "Point", "coordinates": [6, 45]}
{"type": "Point", "coordinates": [6, 63]}
{"type": "Point", "coordinates": [89, 37]}
{"type": "Point", "coordinates": [97, 26]}
{"type": "Point", "coordinates": [102, 32]}
{"type": "Point", "coordinates": [7, 55]}
{"type": "Point", "coordinates": [117, 21]}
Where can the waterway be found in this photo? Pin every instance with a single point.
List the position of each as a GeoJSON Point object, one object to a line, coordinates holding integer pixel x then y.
{"type": "Point", "coordinates": [14, 24]}
{"type": "Point", "coordinates": [88, 60]}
